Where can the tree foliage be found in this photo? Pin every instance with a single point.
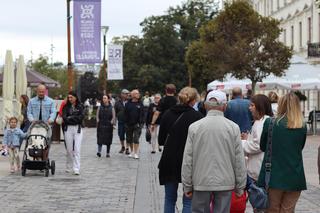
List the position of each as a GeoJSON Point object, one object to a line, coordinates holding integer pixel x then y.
{"type": "Point", "coordinates": [241, 42]}
{"type": "Point", "coordinates": [158, 57]}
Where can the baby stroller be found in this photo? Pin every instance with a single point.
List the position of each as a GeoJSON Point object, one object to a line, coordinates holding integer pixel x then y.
{"type": "Point", "coordinates": [36, 151]}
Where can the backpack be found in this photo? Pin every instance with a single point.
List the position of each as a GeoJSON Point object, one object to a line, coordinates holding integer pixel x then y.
{"type": "Point", "coordinates": [146, 101]}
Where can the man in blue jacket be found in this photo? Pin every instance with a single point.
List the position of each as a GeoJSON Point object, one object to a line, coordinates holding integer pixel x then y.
{"type": "Point", "coordinates": [238, 111]}
{"type": "Point", "coordinates": [41, 107]}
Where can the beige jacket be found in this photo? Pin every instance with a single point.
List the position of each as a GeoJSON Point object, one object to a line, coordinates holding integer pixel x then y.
{"type": "Point", "coordinates": [213, 157]}
{"type": "Point", "coordinates": [251, 148]}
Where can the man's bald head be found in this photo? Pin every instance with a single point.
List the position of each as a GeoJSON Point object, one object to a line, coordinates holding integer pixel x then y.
{"type": "Point", "coordinates": [236, 92]}
{"type": "Point", "coordinates": [41, 91]}
{"type": "Point", "coordinates": [135, 94]}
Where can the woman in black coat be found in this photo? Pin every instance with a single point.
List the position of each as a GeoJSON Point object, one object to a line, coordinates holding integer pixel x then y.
{"type": "Point", "coordinates": [173, 135]}
{"type": "Point", "coordinates": [105, 121]}
{"type": "Point", "coordinates": [73, 115]}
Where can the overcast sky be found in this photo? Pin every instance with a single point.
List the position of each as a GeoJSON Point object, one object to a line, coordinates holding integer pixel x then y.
{"type": "Point", "coordinates": [33, 25]}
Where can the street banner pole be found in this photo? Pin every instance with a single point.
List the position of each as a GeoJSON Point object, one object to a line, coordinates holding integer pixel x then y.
{"type": "Point", "coordinates": [70, 70]}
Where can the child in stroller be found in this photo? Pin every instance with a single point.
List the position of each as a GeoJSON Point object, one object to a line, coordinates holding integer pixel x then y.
{"type": "Point", "coordinates": [37, 147]}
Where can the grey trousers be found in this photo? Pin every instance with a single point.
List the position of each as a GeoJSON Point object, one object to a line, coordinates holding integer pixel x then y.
{"type": "Point", "coordinates": [201, 201]}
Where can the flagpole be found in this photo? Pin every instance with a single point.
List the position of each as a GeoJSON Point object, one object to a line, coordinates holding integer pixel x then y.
{"type": "Point", "coordinates": [70, 70]}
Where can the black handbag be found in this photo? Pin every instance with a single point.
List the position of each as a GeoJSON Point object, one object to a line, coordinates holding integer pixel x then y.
{"type": "Point", "coordinates": [258, 196]}
{"type": "Point", "coordinates": [148, 135]}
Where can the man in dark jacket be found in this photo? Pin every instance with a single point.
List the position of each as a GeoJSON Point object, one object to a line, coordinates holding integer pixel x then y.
{"type": "Point", "coordinates": [133, 114]}
{"type": "Point", "coordinates": [119, 109]}
{"type": "Point", "coordinates": [168, 101]}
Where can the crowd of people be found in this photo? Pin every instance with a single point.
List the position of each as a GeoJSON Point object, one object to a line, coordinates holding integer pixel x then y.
{"type": "Point", "coordinates": [216, 148]}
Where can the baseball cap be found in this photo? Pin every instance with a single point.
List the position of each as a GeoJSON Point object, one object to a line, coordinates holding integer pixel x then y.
{"type": "Point", "coordinates": [125, 91]}
{"type": "Point", "coordinates": [221, 97]}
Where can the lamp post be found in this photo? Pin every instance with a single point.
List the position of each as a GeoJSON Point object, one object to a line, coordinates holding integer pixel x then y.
{"type": "Point", "coordinates": [104, 69]}
{"type": "Point", "coordinates": [70, 71]}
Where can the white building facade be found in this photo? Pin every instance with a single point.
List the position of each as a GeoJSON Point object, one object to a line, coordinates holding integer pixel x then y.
{"type": "Point", "coordinates": [299, 20]}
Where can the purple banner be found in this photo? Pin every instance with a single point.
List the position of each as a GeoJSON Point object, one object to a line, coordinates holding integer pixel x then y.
{"type": "Point", "coordinates": [86, 31]}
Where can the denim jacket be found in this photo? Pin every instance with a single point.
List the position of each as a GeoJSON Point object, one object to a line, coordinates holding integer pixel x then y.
{"type": "Point", "coordinates": [238, 112]}
{"type": "Point", "coordinates": [48, 109]}
{"type": "Point", "coordinates": [12, 137]}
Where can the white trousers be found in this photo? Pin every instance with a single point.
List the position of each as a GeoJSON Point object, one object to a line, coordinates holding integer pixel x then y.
{"type": "Point", "coordinates": [73, 141]}
{"type": "Point", "coordinates": [154, 137]}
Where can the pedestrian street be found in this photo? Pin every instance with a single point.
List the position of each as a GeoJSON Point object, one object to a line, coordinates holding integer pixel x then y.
{"type": "Point", "coordinates": [117, 185]}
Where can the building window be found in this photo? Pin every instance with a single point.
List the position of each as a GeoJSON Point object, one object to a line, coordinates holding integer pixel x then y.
{"type": "Point", "coordinates": [285, 37]}
{"type": "Point", "coordinates": [309, 30]}
{"type": "Point", "coordinates": [300, 34]}
{"type": "Point", "coordinates": [278, 4]}
{"type": "Point", "coordinates": [292, 36]}
{"type": "Point", "coordinates": [271, 6]}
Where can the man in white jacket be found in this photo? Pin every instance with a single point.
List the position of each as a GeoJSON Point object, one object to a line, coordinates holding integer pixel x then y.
{"type": "Point", "coordinates": [213, 161]}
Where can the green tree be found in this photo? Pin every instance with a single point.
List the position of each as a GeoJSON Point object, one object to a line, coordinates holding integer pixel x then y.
{"type": "Point", "coordinates": [166, 38]}
{"type": "Point", "coordinates": [158, 57]}
{"type": "Point", "coordinates": [241, 42]}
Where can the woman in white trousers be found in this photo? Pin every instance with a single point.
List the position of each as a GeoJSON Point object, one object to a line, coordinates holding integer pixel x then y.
{"type": "Point", "coordinates": [73, 115]}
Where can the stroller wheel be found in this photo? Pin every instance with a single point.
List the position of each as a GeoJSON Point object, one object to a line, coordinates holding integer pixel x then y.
{"type": "Point", "coordinates": [46, 172]}
{"type": "Point", "coordinates": [23, 171]}
{"type": "Point", "coordinates": [53, 167]}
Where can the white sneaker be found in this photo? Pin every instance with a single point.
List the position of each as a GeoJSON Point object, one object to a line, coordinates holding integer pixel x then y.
{"type": "Point", "coordinates": [68, 170]}
{"type": "Point", "coordinates": [130, 155]}
{"type": "Point", "coordinates": [136, 156]}
{"type": "Point", "coordinates": [76, 173]}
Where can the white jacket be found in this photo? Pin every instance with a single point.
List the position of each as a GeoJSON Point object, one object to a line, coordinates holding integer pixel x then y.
{"type": "Point", "coordinates": [213, 158]}
{"type": "Point", "coordinates": [251, 148]}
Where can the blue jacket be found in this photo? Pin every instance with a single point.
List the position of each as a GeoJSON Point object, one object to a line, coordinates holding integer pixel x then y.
{"type": "Point", "coordinates": [48, 109]}
{"type": "Point", "coordinates": [12, 137]}
{"type": "Point", "coordinates": [238, 112]}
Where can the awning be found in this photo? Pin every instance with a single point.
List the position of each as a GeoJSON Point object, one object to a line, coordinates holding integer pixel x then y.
{"type": "Point", "coordinates": [35, 78]}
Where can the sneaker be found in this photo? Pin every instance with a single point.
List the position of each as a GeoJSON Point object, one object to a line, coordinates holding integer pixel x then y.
{"type": "Point", "coordinates": [68, 170]}
{"type": "Point", "coordinates": [76, 173]}
{"type": "Point", "coordinates": [12, 170]}
{"type": "Point", "coordinates": [136, 156]}
{"type": "Point", "coordinates": [99, 154]}
{"type": "Point", "coordinates": [153, 152]}
{"type": "Point", "coordinates": [130, 155]}
{"type": "Point", "coordinates": [122, 150]}
{"type": "Point", "coordinates": [127, 152]}
{"type": "Point", "coordinates": [108, 155]}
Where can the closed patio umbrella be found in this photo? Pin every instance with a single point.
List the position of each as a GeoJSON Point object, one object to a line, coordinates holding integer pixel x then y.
{"type": "Point", "coordinates": [8, 86]}
{"type": "Point", "coordinates": [21, 81]}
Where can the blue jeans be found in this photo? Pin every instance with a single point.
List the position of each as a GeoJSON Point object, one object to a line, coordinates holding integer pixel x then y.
{"type": "Point", "coordinates": [171, 194]}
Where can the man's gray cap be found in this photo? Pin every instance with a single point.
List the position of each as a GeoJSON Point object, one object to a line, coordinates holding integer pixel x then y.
{"type": "Point", "coordinates": [125, 91]}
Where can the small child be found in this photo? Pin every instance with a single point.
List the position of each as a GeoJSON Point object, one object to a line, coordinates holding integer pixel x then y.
{"type": "Point", "coordinates": [11, 142]}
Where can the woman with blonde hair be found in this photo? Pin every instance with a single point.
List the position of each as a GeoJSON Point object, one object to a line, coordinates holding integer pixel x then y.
{"type": "Point", "coordinates": [287, 178]}
{"type": "Point", "coordinates": [173, 134]}
{"type": "Point", "coordinates": [273, 97]}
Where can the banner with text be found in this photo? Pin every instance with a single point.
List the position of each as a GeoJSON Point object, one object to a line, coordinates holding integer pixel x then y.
{"type": "Point", "coordinates": [115, 68]}
{"type": "Point", "coordinates": [86, 31]}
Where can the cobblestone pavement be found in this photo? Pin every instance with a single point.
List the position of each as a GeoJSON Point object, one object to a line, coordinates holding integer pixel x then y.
{"type": "Point", "coordinates": [118, 184]}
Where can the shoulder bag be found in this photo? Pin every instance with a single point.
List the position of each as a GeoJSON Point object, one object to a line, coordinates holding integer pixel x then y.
{"type": "Point", "coordinates": [172, 127]}
{"type": "Point", "coordinates": [258, 196]}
